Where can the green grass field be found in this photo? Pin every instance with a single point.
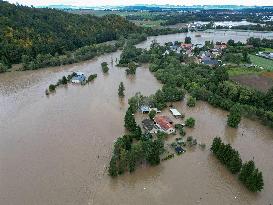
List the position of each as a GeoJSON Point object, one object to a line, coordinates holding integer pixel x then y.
{"type": "Point", "coordinates": [262, 62]}
{"type": "Point", "coordinates": [148, 23]}
{"type": "Point", "coordinates": [243, 71]}
{"type": "Point", "coordinates": [268, 49]}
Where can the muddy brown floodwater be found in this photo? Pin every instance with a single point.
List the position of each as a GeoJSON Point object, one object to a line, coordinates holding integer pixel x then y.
{"type": "Point", "coordinates": [54, 150]}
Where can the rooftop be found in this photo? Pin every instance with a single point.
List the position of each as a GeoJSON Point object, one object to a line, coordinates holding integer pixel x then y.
{"type": "Point", "coordinates": [175, 112]}
{"type": "Point", "coordinates": [164, 122]}
{"type": "Point", "coordinates": [148, 124]}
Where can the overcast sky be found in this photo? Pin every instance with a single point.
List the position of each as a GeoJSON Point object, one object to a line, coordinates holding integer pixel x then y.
{"type": "Point", "coordinates": [130, 2]}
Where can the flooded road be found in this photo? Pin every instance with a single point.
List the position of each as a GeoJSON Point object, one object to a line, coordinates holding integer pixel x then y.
{"type": "Point", "coordinates": [54, 150]}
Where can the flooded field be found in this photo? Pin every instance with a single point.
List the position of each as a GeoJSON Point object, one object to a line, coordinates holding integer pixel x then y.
{"type": "Point", "coordinates": [54, 150]}
{"type": "Point", "coordinates": [209, 35]}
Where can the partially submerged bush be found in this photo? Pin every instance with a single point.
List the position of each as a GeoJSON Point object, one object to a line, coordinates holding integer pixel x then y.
{"type": "Point", "coordinates": [51, 88]}
{"type": "Point", "coordinates": [191, 101]}
{"type": "Point", "coordinates": [190, 122]}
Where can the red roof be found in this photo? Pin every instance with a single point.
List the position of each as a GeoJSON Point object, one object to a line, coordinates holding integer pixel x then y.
{"type": "Point", "coordinates": [163, 122]}
{"type": "Point", "coordinates": [186, 45]}
{"type": "Point", "coordinates": [221, 46]}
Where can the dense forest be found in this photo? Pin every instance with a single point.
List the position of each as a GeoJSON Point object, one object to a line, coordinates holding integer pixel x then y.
{"type": "Point", "coordinates": [48, 37]}
{"type": "Point", "coordinates": [32, 31]}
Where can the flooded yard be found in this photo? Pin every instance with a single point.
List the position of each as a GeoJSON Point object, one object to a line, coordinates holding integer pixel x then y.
{"type": "Point", "coordinates": [54, 150]}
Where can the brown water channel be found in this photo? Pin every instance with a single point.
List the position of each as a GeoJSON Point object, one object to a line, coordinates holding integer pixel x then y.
{"type": "Point", "coordinates": [54, 150]}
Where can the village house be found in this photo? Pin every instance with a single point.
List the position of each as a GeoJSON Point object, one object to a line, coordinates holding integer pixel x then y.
{"type": "Point", "coordinates": [186, 46]}
{"type": "Point", "coordinates": [150, 126]}
{"type": "Point", "coordinates": [215, 52]}
{"type": "Point", "coordinates": [78, 77]}
{"type": "Point", "coordinates": [165, 124]}
{"type": "Point", "coordinates": [220, 45]}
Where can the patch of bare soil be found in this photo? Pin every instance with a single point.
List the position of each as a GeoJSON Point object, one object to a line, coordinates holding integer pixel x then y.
{"type": "Point", "coordinates": [259, 82]}
{"type": "Point", "coordinates": [268, 74]}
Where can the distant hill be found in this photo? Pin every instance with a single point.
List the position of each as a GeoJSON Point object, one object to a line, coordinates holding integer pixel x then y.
{"type": "Point", "coordinates": [155, 7]}
{"type": "Point", "coordinates": [32, 31]}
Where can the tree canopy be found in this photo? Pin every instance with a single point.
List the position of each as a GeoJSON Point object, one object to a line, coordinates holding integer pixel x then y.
{"type": "Point", "coordinates": [31, 31]}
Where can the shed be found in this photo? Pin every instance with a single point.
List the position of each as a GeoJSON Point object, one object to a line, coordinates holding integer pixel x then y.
{"type": "Point", "coordinates": [175, 113]}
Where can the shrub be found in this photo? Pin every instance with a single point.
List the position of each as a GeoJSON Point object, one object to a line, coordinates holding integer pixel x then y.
{"type": "Point", "coordinates": [190, 122]}
{"type": "Point", "coordinates": [51, 88]}
{"type": "Point", "coordinates": [91, 77]}
{"type": "Point", "coordinates": [64, 80]}
{"type": "Point", "coordinates": [152, 114]}
{"type": "Point", "coordinates": [191, 101]}
{"type": "Point", "coordinates": [105, 67]}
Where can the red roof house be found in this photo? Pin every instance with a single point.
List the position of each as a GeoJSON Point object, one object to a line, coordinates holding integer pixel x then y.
{"type": "Point", "coordinates": [165, 124]}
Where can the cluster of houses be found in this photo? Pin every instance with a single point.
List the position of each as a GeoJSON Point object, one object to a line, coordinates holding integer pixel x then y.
{"type": "Point", "coordinates": [208, 57]}
{"type": "Point", "coordinates": [267, 55]}
{"type": "Point", "coordinates": [160, 123]}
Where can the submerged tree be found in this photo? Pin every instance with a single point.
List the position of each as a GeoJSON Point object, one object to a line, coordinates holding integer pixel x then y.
{"type": "Point", "coordinates": [187, 39]}
{"type": "Point", "coordinates": [191, 101]}
{"type": "Point", "coordinates": [234, 116]}
{"type": "Point", "coordinates": [104, 67]}
{"type": "Point", "coordinates": [152, 114]}
{"type": "Point", "coordinates": [190, 122]}
{"type": "Point", "coordinates": [112, 170]}
{"type": "Point", "coordinates": [131, 70]}
{"type": "Point", "coordinates": [251, 177]}
{"type": "Point", "coordinates": [121, 90]}
{"type": "Point", "coordinates": [51, 88]}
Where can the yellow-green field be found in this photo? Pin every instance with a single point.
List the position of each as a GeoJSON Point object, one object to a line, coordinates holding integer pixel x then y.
{"type": "Point", "coordinates": [243, 71]}
{"type": "Point", "coordinates": [262, 62]}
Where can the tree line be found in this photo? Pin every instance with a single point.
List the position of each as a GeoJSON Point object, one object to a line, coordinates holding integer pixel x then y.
{"type": "Point", "coordinates": [249, 175]}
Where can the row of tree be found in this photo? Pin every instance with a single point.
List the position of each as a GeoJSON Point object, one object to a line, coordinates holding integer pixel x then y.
{"type": "Point", "coordinates": [248, 174]}
{"type": "Point", "coordinates": [81, 54]}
